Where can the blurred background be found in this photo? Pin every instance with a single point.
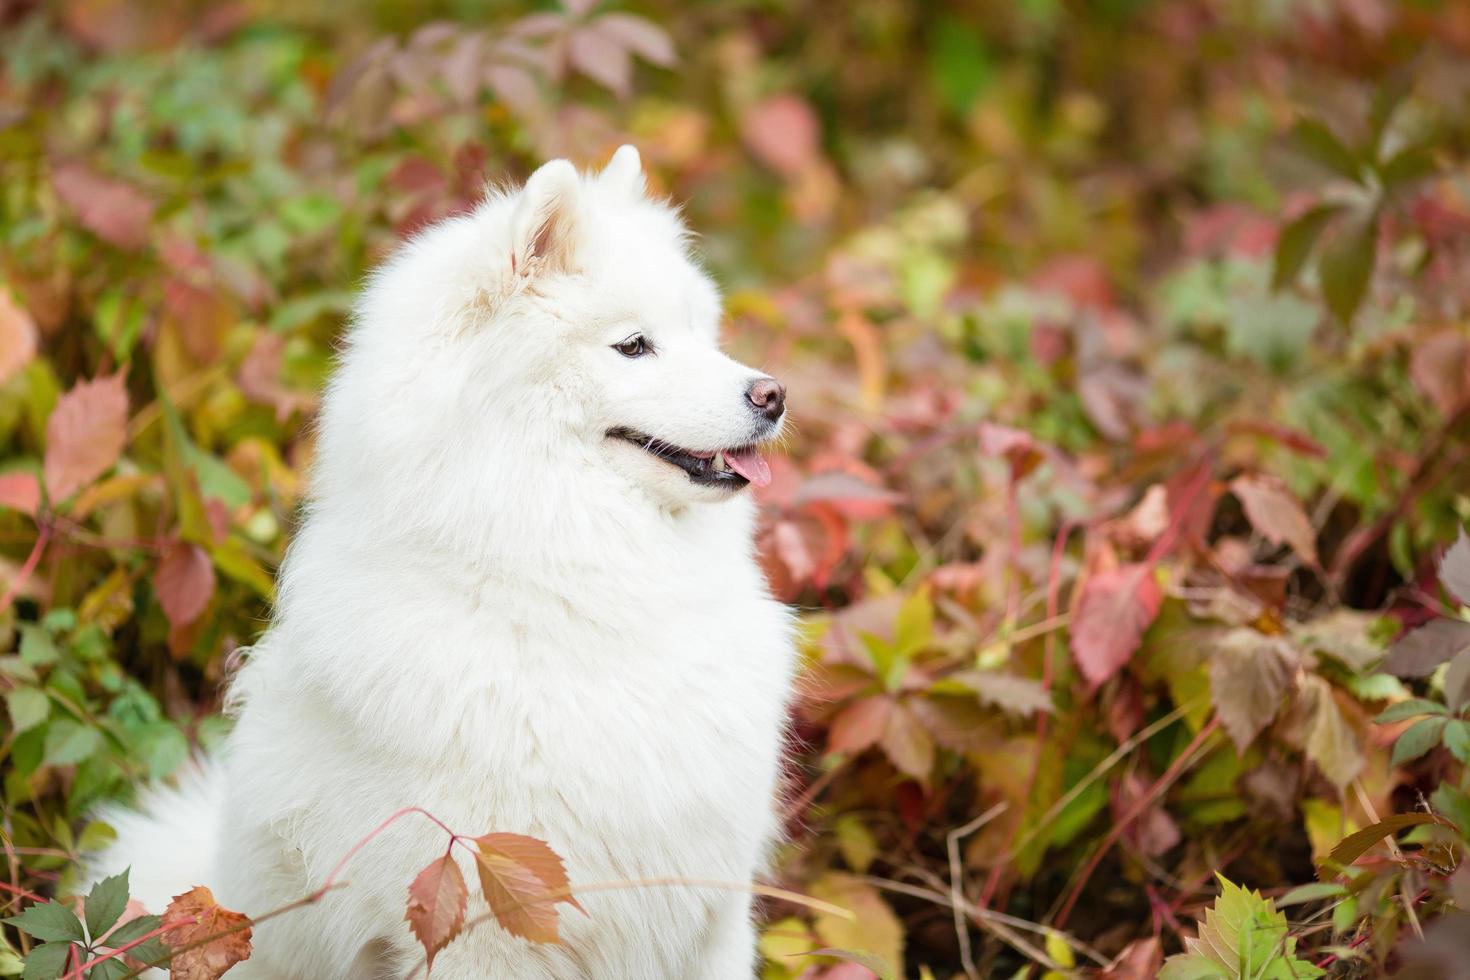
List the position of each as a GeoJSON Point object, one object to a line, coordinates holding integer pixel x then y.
{"type": "Point", "coordinates": [1128, 352]}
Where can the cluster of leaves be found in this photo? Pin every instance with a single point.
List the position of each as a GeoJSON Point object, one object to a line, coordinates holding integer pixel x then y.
{"type": "Point", "coordinates": [114, 937]}
{"type": "Point", "coordinates": [1128, 345]}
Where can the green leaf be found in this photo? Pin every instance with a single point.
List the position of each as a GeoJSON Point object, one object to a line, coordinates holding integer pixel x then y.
{"type": "Point", "coordinates": [28, 707]}
{"type": "Point", "coordinates": [1409, 709]}
{"type": "Point", "coordinates": [1456, 738]}
{"type": "Point", "coordinates": [1453, 803]}
{"type": "Point", "coordinates": [105, 903]}
{"type": "Point", "coordinates": [69, 742]}
{"type": "Point", "coordinates": [1314, 892]}
{"type": "Point", "coordinates": [1346, 267]}
{"type": "Point", "coordinates": [95, 836]}
{"type": "Point", "coordinates": [36, 646]}
{"type": "Point", "coordinates": [1243, 935]}
{"type": "Point", "coordinates": [1386, 100]}
{"type": "Point", "coordinates": [113, 969]}
{"type": "Point", "coordinates": [1192, 966]}
{"type": "Point", "coordinates": [1317, 143]}
{"type": "Point", "coordinates": [49, 922]}
{"type": "Point", "coordinates": [914, 628]}
{"type": "Point", "coordinates": [1407, 166]}
{"type": "Point", "coordinates": [132, 930]}
{"type": "Point", "coordinates": [1296, 243]}
{"type": "Point", "coordinates": [46, 962]}
{"type": "Point", "coordinates": [1417, 739]}
{"type": "Point", "coordinates": [163, 748]}
{"type": "Point", "coordinates": [11, 964]}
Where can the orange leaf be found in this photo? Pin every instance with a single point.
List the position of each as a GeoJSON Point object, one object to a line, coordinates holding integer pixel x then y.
{"type": "Point", "coordinates": [17, 337]}
{"type": "Point", "coordinates": [20, 491]}
{"type": "Point", "coordinates": [195, 916]}
{"type": "Point", "coordinates": [85, 434]}
{"type": "Point", "coordinates": [523, 879]}
{"type": "Point", "coordinates": [184, 582]}
{"type": "Point", "coordinates": [436, 905]}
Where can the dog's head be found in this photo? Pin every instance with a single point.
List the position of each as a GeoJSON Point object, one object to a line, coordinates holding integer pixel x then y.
{"type": "Point", "coordinates": [639, 334]}
{"type": "Point", "coordinates": [559, 331]}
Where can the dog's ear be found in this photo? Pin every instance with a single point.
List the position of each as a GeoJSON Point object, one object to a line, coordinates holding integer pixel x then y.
{"type": "Point", "coordinates": [544, 230]}
{"type": "Point", "coordinates": [624, 172]}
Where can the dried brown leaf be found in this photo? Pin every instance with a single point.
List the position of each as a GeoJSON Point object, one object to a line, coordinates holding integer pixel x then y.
{"type": "Point", "coordinates": [907, 744]}
{"type": "Point", "coordinates": [1276, 514]}
{"type": "Point", "coordinates": [860, 725]}
{"type": "Point", "coordinates": [1331, 742]}
{"type": "Point", "coordinates": [1249, 676]}
{"type": "Point", "coordinates": [195, 916]}
{"type": "Point", "coordinates": [1419, 652]}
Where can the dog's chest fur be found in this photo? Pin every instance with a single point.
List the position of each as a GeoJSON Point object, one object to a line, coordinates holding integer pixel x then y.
{"type": "Point", "coordinates": [632, 717]}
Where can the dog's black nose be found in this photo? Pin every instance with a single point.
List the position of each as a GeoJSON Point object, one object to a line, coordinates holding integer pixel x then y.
{"type": "Point", "coordinates": [768, 397]}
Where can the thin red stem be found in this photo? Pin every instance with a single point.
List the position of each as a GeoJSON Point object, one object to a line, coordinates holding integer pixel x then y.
{"type": "Point", "coordinates": [352, 852]}
{"type": "Point", "coordinates": [26, 570]}
{"type": "Point", "coordinates": [76, 974]}
{"type": "Point", "coordinates": [1175, 770]}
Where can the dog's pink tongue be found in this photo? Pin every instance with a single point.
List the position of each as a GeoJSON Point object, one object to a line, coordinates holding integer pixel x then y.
{"type": "Point", "coordinates": [751, 465]}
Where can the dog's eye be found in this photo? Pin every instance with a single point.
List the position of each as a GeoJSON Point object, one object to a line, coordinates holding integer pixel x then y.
{"type": "Point", "coordinates": [634, 346]}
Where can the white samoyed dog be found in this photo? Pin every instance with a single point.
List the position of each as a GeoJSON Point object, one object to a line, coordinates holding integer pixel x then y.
{"type": "Point", "coordinates": [525, 598]}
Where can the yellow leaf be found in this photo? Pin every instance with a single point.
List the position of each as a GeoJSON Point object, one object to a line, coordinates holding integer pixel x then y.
{"type": "Point", "coordinates": [875, 929]}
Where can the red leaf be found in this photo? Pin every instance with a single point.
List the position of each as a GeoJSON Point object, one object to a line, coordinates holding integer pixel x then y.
{"type": "Point", "coordinates": [17, 336]}
{"type": "Point", "coordinates": [1115, 609]}
{"type": "Point", "coordinates": [602, 58]}
{"type": "Point", "coordinates": [20, 491]}
{"type": "Point", "coordinates": [1019, 448]}
{"type": "Point", "coordinates": [193, 916]}
{"type": "Point", "coordinates": [436, 905]}
{"type": "Point", "coordinates": [1454, 569]}
{"type": "Point", "coordinates": [85, 434]}
{"type": "Point", "coordinates": [641, 36]}
{"type": "Point", "coordinates": [523, 879]}
{"type": "Point", "coordinates": [860, 724]}
{"type": "Point", "coordinates": [1277, 514]}
{"type": "Point", "coordinates": [850, 494]}
{"type": "Point", "coordinates": [184, 582]}
{"type": "Point", "coordinates": [782, 132]}
{"type": "Point", "coordinates": [1440, 367]}
{"type": "Point", "coordinates": [112, 210]}
{"type": "Point", "coordinates": [1080, 278]}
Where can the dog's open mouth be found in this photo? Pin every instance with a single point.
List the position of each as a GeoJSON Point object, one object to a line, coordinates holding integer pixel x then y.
{"type": "Point", "coordinates": [732, 468]}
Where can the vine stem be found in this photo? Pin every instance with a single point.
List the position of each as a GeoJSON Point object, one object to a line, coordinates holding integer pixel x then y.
{"type": "Point", "coordinates": [1170, 776]}
{"type": "Point", "coordinates": [26, 570]}
{"type": "Point", "coordinates": [352, 852]}
{"type": "Point", "coordinates": [76, 972]}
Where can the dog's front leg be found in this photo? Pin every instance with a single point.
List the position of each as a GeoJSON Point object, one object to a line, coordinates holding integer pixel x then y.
{"type": "Point", "coordinates": [728, 949]}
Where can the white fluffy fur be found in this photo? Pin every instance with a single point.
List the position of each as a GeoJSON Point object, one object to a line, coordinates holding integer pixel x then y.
{"type": "Point", "coordinates": [494, 612]}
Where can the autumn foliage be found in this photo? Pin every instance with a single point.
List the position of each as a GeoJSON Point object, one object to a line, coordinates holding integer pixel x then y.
{"type": "Point", "coordinates": [1125, 506]}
